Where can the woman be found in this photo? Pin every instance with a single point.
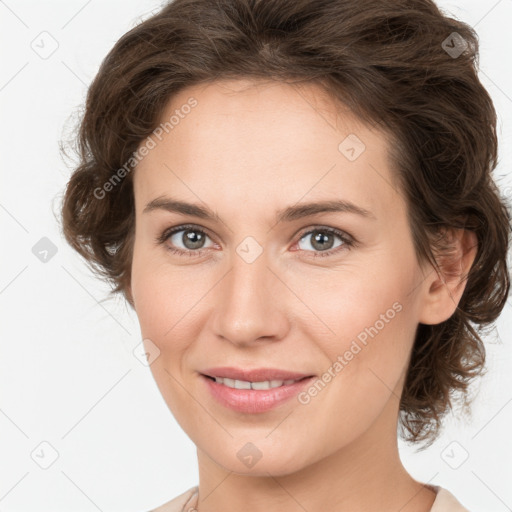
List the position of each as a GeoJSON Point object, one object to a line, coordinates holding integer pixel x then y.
{"type": "Point", "coordinates": [295, 197]}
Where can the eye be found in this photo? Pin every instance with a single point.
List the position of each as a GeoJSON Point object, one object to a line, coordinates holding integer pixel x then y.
{"type": "Point", "coordinates": [190, 238]}
{"type": "Point", "coordinates": [322, 241]}
{"type": "Point", "coordinates": [192, 241]}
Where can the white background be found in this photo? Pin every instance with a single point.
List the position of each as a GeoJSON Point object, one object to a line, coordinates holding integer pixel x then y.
{"type": "Point", "coordinates": [68, 376]}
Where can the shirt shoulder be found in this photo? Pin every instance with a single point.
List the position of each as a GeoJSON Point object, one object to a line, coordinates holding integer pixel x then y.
{"type": "Point", "coordinates": [185, 502]}
{"type": "Point", "coordinates": [446, 502]}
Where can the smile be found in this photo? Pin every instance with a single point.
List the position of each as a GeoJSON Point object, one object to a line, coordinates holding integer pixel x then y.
{"type": "Point", "coordinates": [245, 384]}
{"type": "Point", "coordinates": [253, 397]}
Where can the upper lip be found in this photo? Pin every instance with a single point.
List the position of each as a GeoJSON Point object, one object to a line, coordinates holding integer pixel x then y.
{"type": "Point", "coordinates": [254, 375]}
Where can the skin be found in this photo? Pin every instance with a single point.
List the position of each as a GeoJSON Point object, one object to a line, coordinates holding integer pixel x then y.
{"type": "Point", "coordinates": [248, 150]}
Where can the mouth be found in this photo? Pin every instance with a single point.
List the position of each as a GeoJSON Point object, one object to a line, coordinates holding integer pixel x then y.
{"type": "Point", "coordinates": [253, 374]}
{"type": "Point", "coordinates": [258, 385]}
{"type": "Point", "coordinates": [260, 393]}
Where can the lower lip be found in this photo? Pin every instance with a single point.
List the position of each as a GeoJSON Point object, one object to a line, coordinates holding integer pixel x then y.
{"type": "Point", "coordinates": [254, 400]}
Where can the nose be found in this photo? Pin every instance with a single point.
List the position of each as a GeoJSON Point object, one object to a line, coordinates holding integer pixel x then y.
{"type": "Point", "coordinates": [250, 304]}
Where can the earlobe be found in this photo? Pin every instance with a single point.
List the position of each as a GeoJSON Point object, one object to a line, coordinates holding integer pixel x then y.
{"type": "Point", "coordinates": [443, 290]}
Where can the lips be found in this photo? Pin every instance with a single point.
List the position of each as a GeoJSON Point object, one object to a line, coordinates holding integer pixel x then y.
{"type": "Point", "coordinates": [254, 396]}
{"type": "Point", "coordinates": [256, 390]}
{"type": "Point", "coordinates": [254, 375]}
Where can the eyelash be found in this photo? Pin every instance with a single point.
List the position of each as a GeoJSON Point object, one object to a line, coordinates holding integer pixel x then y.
{"type": "Point", "coordinates": [348, 241]}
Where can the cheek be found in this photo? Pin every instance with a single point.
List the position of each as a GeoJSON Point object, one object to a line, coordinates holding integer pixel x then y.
{"type": "Point", "coordinates": [164, 305]}
{"type": "Point", "coordinates": [168, 302]}
{"type": "Point", "coordinates": [348, 302]}
{"type": "Point", "coordinates": [156, 288]}
{"type": "Point", "coordinates": [368, 323]}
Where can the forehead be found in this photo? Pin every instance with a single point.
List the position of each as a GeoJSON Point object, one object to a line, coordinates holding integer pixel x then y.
{"type": "Point", "coordinates": [246, 140]}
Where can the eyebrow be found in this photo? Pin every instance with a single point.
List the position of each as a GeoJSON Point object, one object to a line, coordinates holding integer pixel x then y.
{"type": "Point", "coordinates": [288, 214]}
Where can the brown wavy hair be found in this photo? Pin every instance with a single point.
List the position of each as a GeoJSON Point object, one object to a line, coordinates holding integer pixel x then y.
{"type": "Point", "coordinates": [404, 65]}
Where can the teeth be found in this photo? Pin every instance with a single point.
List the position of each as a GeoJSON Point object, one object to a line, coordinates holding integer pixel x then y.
{"type": "Point", "coordinates": [244, 384]}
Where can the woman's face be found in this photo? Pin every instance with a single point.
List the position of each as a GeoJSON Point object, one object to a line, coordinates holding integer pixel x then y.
{"type": "Point", "coordinates": [255, 286]}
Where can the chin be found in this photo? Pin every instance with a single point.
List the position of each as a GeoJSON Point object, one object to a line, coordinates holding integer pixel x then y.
{"type": "Point", "coordinates": [258, 458]}
{"type": "Point", "coordinates": [264, 468]}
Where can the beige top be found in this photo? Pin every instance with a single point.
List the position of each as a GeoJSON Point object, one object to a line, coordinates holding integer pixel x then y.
{"type": "Point", "coordinates": [187, 502]}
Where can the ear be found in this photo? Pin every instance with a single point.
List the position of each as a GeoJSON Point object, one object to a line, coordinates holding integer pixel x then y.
{"type": "Point", "coordinates": [442, 291]}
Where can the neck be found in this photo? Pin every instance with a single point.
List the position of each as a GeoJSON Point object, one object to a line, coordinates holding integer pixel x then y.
{"type": "Point", "coordinates": [366, 474]}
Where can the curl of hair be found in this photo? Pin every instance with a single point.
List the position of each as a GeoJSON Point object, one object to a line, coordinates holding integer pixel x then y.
{"type": "Point", "coordinates": [383, 60]}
